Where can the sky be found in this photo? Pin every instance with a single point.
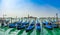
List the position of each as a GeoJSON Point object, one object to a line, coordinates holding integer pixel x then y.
{"type": "Point", "coordinates": [36, 8]}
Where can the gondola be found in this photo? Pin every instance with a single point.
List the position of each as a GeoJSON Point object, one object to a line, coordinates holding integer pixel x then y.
{"type": "Point", "coordinates": [13, 25]}
{"type": "Point", "coordinates": [54, 25]}
{"type": "Point", "coordinates": [38, 27]}
{"type": "Point", "coordinates": [49, 26]}
{"type": "Point", "coordinates": [45, 22]}
{"type": "Point", "coordinates": [30, 27]}
{"type": "Point", "coordinates": [23, 25]}
{"type": "Point", "coordinates": [4, 23]}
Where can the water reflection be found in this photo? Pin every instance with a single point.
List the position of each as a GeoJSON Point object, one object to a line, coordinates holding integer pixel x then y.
{"type": "Point", "coordinates": [19, 33]}
{"type": "Point", "coordinates": [12, 30]}
{"type": "Point", "coordinates": [28, 33]}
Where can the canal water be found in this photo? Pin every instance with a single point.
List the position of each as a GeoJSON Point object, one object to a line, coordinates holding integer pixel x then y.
{"type": "Point", "coordinates": [14, 31]}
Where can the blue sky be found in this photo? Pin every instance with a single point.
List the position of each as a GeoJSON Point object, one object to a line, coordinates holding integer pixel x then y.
{"type": "Point", "coordinates": [38, 8]}
{"type": "Point", "coordinates": [55, 3]}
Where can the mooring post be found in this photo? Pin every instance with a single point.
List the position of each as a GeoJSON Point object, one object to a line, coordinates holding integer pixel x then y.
{"type": "Point", "coordinates": [57, 20]}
